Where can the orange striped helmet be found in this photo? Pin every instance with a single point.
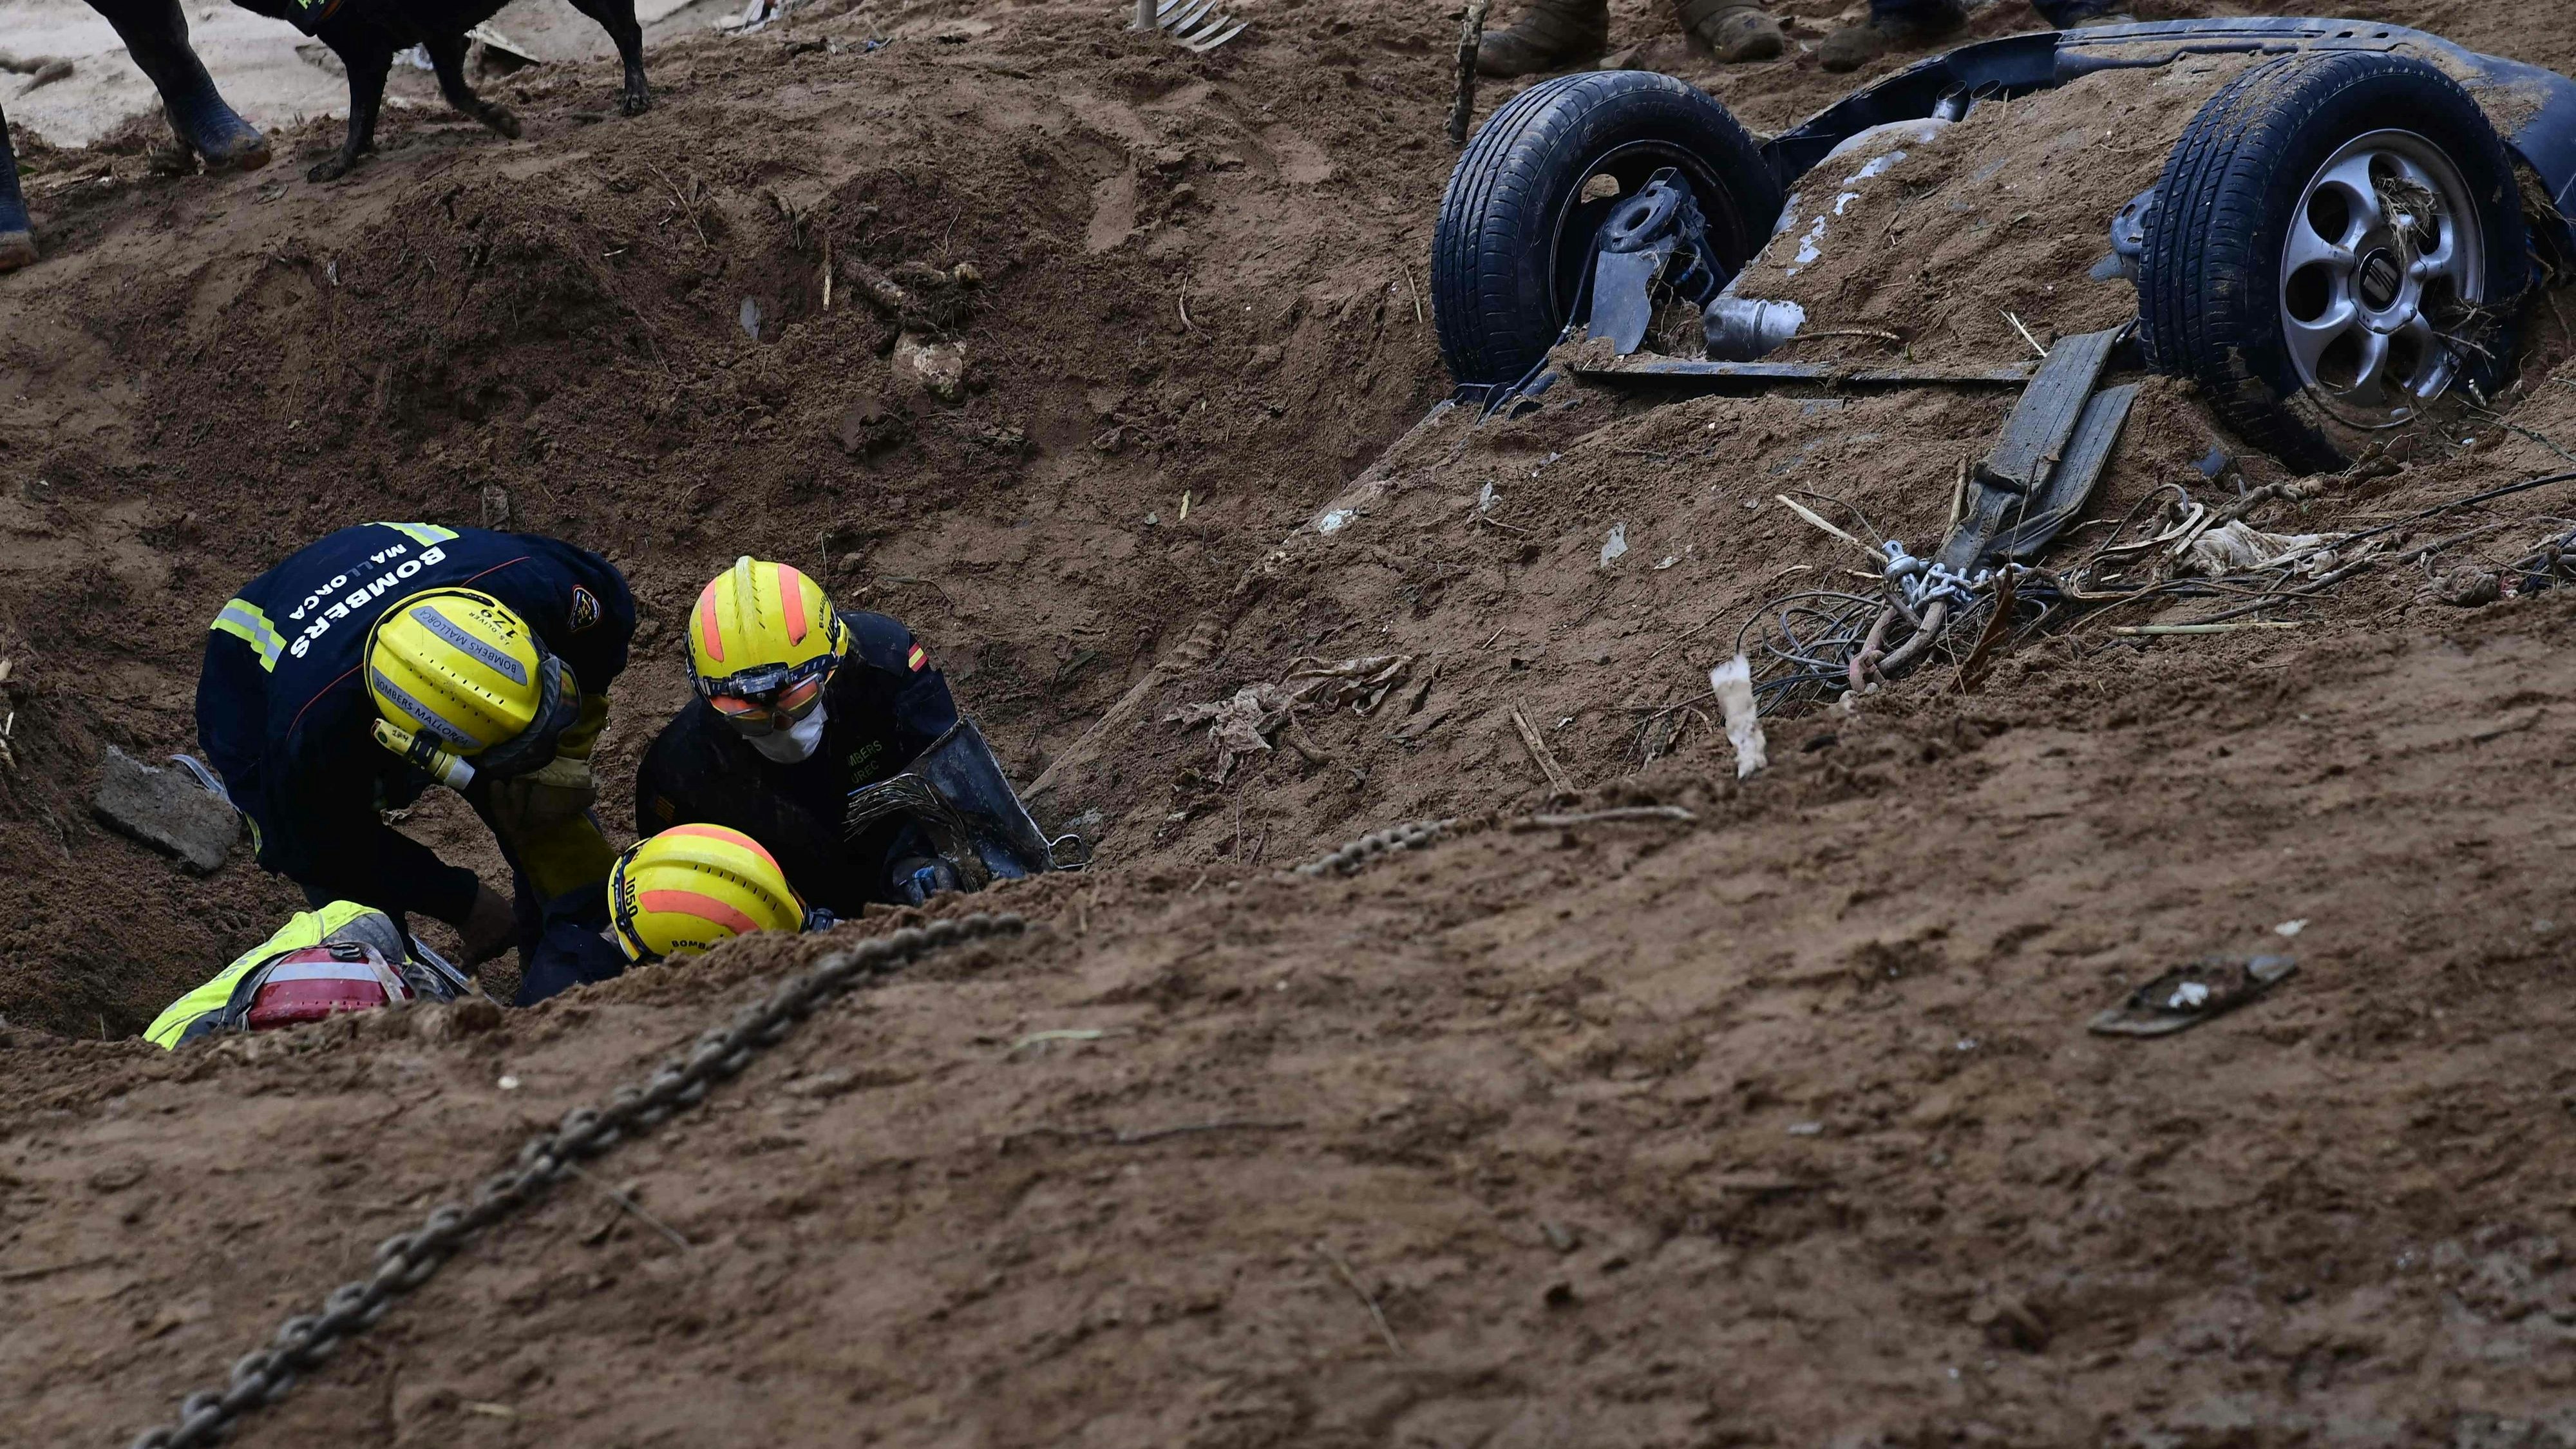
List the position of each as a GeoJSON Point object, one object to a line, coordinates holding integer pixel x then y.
{"type": "Point", "coordinates": [694, 886]}
{"type": "Point", "coordinates": [758, 627]}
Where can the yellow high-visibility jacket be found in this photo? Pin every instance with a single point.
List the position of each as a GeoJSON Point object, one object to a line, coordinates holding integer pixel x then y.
{"type": "Point", "coordinates": [212, 1006]}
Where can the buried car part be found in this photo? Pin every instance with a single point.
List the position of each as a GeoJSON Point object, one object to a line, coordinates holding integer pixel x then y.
{"type": "Point", "coordinates": [1514, 247]}
{"type": "Point", "coordinates": [955, 795]}
{"type": "Point", "coordinates": [1654, 237]}
{"type": "Point", "coordinates": [2327, 275]}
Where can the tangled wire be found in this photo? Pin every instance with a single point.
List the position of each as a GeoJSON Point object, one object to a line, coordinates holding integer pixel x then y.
{"type": "Point", "coordinates": [1817, 645]}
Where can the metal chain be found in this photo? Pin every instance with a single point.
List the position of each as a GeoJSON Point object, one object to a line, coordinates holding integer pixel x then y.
{"type": "Point", "coordinates": [1408, 836]}
{"type": "Point", "coordinates": [1413, 835]}
{"type": "Point", "coordinates": [405, 1261]}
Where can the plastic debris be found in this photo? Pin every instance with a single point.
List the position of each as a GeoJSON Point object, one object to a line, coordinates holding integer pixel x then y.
{"type": "Point", "coordinates": [1615, 546]}
{"type": "Point", "coordinates": [1733, 682]}
{"type": "Point", "coordinates": [2239, 546]}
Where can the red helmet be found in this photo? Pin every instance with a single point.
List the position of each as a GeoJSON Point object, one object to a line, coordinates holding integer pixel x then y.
{"type": "Point", "coordinates": [320, 981]}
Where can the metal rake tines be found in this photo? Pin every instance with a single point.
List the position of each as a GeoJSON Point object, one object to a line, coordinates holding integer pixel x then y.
{"type": "Point", "coordinates": [1189, 22]}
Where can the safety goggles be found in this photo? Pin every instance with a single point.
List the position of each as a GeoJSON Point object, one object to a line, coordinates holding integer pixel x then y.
{"type": "Point", "coordinates": [766, 701]}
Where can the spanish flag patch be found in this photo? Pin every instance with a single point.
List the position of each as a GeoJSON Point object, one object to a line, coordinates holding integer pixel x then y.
{"type": "Point", "coordinates": [918, 658]}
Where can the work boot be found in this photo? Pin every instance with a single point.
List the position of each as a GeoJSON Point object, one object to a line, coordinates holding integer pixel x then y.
{"type": "Point", "coordinates": [1735, 29]}
{"type": "Point", "coordinates": [1891, 23]}
{"type": "Point", "coordinates": [156, 37]}
{"type": "Point", "coordinates": [1550, 35]}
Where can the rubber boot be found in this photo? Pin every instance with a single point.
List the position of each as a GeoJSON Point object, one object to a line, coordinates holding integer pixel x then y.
{"type": "Point", "coordinates": [17, 237]}
{"type": "Point", "coordinates": [156, 35]}
{"type": "Point", "coordinates": [1549, 35]}
{"type": "Point", "coordinates": [1738, 30]}
{"type": "Point", "coordinates": [1891, 23]}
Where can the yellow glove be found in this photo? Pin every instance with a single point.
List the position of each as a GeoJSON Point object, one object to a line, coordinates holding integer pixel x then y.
{"type": "Point", "coordinates": [582, 736]}
{"type": "Point", "coordinates": [560, 791]}
{"type": "Point", "coordinates": [542, 815]}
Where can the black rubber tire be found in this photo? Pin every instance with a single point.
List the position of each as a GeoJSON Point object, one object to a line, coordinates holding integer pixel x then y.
{"type": "Point", "coordinates": [1506, 258]}
{"type": "Point", "coordinates": [2209, 282]}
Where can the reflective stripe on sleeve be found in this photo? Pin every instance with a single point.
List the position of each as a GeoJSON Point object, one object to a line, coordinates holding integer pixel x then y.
{"type": "Point", "coordinates": [421, 533]}
{"type": "Point", "coordinates": [244, 621]}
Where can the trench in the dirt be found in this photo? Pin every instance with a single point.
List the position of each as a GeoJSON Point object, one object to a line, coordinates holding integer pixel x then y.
{"type": "Point", "coordinates": [1777, 1128]}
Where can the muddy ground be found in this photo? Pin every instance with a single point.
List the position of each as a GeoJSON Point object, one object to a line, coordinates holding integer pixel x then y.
{"type": "Point", "coordinates": [1778, 1127]}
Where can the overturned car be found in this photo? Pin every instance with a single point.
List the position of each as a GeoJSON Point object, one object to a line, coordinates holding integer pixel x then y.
{"type": "Point", "coordinates": [2337, 246]}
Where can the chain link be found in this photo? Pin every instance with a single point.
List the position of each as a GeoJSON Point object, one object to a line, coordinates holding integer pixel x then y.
{"type": "Point", "coordinates": [1409, 836]}
{"type": "Point", "coordinates": [405, 1261]}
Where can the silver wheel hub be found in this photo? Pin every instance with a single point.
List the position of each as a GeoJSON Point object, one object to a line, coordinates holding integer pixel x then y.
{"type": "Point", "coordinates": [2385, 262]}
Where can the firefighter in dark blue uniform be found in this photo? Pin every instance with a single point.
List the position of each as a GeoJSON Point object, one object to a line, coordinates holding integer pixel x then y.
{"type": "Point", "coordinates": [389, 656]}
{"type": "Point", "coordinates": [797, 706]}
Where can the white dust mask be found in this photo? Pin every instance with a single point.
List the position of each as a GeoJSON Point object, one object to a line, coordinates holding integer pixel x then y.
{"type": "Point", "coordinates": [798, 743]}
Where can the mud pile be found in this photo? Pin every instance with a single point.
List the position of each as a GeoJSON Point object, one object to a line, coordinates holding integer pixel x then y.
{"type": "Point", "coordinates": [1173, 284]}
{"type": "Point", "coordinates": [1774, 1126]}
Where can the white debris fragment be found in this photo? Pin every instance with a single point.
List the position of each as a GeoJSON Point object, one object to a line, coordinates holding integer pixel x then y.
{"type": "Point", "coordinates": [2239, 546]}
{"type": "Point", "coordinates": [1808, 251]}
{"type": "Point", "coordinates": [2291, 928]}
{"type": "Point", "coordinates": [1615, 546]}
{"type": "Point", "coordinates": [2189, 996]}
{"type": "Point", "coordinates": [1733, 683]}
{"type": "Point", "coordinates": [1334, 521]}
{"type": "Point", "coordinates": [750, 318]}
{"type": "Point", "coordinates": [940, 367]}
{"type": "Point", "coordinates": [1486, 499]}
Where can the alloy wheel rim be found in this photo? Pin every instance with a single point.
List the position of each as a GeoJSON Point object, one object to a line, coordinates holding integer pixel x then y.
{"type": "Point", "coordinates": [2384, 262]}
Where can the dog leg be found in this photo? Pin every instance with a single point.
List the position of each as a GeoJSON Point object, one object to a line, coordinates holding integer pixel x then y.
{"type": "Point", "coordinates": [617, 17]}
{"type": "Point", "coordinates": [447, 56]}
{"type": "Point", "coordinates": [367, 65]}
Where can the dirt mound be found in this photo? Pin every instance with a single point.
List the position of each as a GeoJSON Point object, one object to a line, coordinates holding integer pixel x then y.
{"type": "Point", "coordinates": [1182, 284]}
{"type": "Point", "coordinates": [1777, 1125]}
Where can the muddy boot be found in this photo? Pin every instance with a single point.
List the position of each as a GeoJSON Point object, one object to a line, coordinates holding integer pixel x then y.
{"type": "Point", "coordinates": [156, 36]}
{"type": "Point", "coordinates": [1891, 23]}
{"type": "Point", "coordinates": [17, 239]}
{"type": "Point", "coordinates": [1735, 29]}
{"type": "Point", "coordinates": [1550, 35]}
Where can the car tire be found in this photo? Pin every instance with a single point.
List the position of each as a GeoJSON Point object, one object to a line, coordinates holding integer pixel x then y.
{"type": "Point", "coordinates": [2264, 280]}
{"type": "Point", "coordinates": [1516, 223]}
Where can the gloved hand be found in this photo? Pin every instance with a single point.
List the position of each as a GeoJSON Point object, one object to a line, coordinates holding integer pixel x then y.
{"type": "Point", "coordinates": [917, 880]}
{"type": "Point", "coordinates": [489, 927]}
{"type": "Point", "coordinates": [524, 805]}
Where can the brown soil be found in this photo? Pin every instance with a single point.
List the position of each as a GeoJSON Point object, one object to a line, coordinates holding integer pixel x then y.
{"type": "Point", "coordinates": [1780, 1127]}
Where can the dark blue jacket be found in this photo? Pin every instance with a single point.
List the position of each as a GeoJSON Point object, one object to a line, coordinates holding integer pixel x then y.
{"type": "Point", "coordinates": [885, 704]}
{"type": "Point", "coordinates": [284, 717]}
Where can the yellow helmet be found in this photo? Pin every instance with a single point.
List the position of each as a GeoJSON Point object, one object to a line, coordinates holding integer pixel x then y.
{"type": "Point", "coordinates": [458, 667]}
{"type": "Point", "coordinates": [758, 628]}
{"type": "Point", "coordinates": [694, 886]}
